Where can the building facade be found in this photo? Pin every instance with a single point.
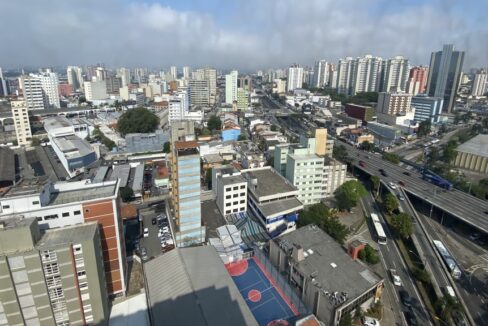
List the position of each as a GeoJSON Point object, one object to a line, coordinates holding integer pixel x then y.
{"type": "Point", "coordinates": [230, 189]}
{"type": "Point", "coordinates": [231, 87]}
{"type": "Point", "coordinates": [394, 103]}
{"type": "Point", "coordinates": [61, 204]}
{"type": "Point", "coordinates": [75, 77]}
{"type": "Point", "coordinates": [55, 278]}
{"type": "Point", "coordinates": [417, 80]}
{"type": "Point", "coordinates": [33, 94]}
{"type": "Point", "coordinates": [444, 74]}
{"type": "Point", "coordinates": [480, 83]}
{"type": "Point", "coordinates": [199, 92]}
{"type": "Point", "coordinates": [295, 78]}
{"type": "Point", "coordinates": [95, 90]}
{"type": "Point", "coordinates": [20, 116]}
{"type": "Point", "coordinates": [427, 108]}
{"type": "Point", "coordinates": [185, 194]}
{"type": "Point", "coordinates": [394, 74]}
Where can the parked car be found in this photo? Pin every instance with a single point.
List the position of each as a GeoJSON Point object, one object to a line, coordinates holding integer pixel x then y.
{"type": "Point", "coordinates": [154, 221]}
{"type": "Point", "coordinates": [361, 163]}
{"type": "Point", "coordinates": [146, 232]}
{"type": "Point", "coordinates": [370, 321]}
{"type": "Point", "coordinates": [410, 318]}
{"type": "Point", "coordinates": [143, 254]}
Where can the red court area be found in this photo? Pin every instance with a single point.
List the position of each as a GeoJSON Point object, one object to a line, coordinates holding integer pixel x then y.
{"type": "Point", "coordinates": [238, 268]}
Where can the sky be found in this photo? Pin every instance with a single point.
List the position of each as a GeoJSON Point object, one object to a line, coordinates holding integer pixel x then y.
{"type": "Point", "coordinates": [245, 35]}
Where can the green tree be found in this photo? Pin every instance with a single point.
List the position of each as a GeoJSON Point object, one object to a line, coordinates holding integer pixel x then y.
{"type": "Point", "coordinates": [348, 194]}
{"type": "Point", "coordinates": [391, 203]}
{"type": "Point", "coordinates": [421, 275]}
{"type": "Point", "coordinates": [242, 137]}
{"type": "Point", "coordinates": [214, 123]}
{"type": "Point", "coordinates": [81, 99]}
{"type": "Point", "coordinates": [449, 152]}
{"type": "Point", "coordinates": [402, 223]}
{"type": "Point", "coordinates": [324, 217]}
{"type": "Point", "coordinates": [167, 147]}
{"type": "Point", "coordinates": [370, 255]}
{"type": "Point", "coordinates": [346, 320]}
{"type": "Point", "coordinates": [274, 128]}
{"type": "Point", "coordinates": [139, 120]}
{"type": "Point", "coordinates": [375, 182]}
{"type": "Point", "coordinates": [35, 141]}
{"type": "Point", "coordinates": [367, 146]}
{"type": "Point", "coordinates": [339, 152]}
{"type": "Point", "coordinates": [391, 157]}
{"type": "Point", "coordinates": [126, 194]}
{"type": "Point", "coordinates": [333, 227]}
{"type": "Point", "coordinates": [424, 128]}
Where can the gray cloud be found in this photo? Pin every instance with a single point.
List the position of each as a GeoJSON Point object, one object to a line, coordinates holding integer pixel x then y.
{"type": "Point", "coordinates": [262, 34]}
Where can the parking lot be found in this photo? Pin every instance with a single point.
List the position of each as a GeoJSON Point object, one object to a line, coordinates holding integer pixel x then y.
{"type": "Point", "coordinates": [158, 237]}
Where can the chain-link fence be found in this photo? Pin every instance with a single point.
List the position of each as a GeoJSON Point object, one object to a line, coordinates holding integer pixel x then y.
{"type": "Point", "coordinates": [281, 284]}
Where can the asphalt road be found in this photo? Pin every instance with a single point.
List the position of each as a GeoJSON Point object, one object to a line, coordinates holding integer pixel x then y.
{"type": "Point", "coordinates": [465, 207]}
{"type": "Point", "coordinates": [392, 259]}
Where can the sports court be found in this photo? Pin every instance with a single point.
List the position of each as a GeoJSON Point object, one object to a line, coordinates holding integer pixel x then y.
{"type": "Point", "coordinates": [266, 301]}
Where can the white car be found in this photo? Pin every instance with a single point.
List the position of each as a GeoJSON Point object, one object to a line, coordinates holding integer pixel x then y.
{"type": "Point", "coordinates": [165, 229]}
{"type": "Point", "coordinates": [146, 232]}
{"type": "Point", "coordinates": [392, 185]}
{"type": "Point", "coordinates": [395, 278]}
{"type": "Point", "coordinates": [369, 321]}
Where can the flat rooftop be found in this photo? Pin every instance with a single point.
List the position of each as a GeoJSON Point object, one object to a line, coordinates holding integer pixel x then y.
{"type": "Point", "coordinates": [68, 234]}
{"type": "Point", "coordinates": [121, 172]}
{"type": "Point", "coordinates": [230, 180]}
{"type": "Point", "coordinates": [333, 269]}
{"type": "Point", "coordinates": [73, 146]}
{"type": "Point", "coordinates": [83, 194]}
{"type": "Point", "coordinates": [476, 146]}
{"type": "Point", "coordinates": [269, 182]}
{"type": "Point", "coordinates": [56, 122]}
{"type": "Point", "coordinates": [281, 206]}
{"type": "Point", "coordinates": [195, 289]}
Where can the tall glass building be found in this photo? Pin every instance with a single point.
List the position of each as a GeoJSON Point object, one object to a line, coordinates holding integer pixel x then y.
{"type": "Point", "coordinates": [186, 194]}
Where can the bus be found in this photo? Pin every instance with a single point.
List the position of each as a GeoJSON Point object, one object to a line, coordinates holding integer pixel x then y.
{"type": "Point", "coordinates": [380, 233]}
{"type": "Point", "coordinates": [448, 259]}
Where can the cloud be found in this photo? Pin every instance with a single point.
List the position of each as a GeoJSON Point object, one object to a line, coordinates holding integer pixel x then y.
{"type": "Point", "coordinates": [247, 35]}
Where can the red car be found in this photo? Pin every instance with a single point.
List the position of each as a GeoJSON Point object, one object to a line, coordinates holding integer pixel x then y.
{"type": "Point", "coordinates": [361, 163]}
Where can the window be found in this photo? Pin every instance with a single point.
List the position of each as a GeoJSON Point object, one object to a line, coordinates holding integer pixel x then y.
{"type": "Point", "coordinates": [6, 206]}
{"type": "Point", "coordinates": [51, 269]}
{"type": "Point", "coordinates": [65, 214]}
{"type": "Point", "coordinates": [243, 186]}
{"type": "Point", "coordinates": [50, 217]}
{"type": "Point", "coordinates": [77, 249]}
{"type": "Point", "coordinates": [243, 193]}
{"type": "Point", "coordinates": [235, 210]}
{"type": "Point", "coordinates": [76, 213]}
{"type": "Point", "coordinates": [227, 205]}
{"type": "Point", "coordinates": [81, 273]}
{"type": "Point", "coordinates": [236, 187]}
{"type": "Point", "coordinates": [228, 196]}
{"type": "Point", "coordinates": [235, 203]}
{"type": "Point", "coordinates": [49, 256]}
{"type": "Point", "coordinates": [39, 218]}
{"type": "Point", "coordinates": [227, 212]}
{"type": "Point", "coordinates": [242, 201]}
{"type": "Point", "coordinates": [83, 285]}
{"type": "Point", "coordinates": [36, 202]}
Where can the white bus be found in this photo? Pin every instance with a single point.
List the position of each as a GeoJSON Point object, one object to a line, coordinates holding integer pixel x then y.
{"type": "Point", "coordinates": [380, 233]}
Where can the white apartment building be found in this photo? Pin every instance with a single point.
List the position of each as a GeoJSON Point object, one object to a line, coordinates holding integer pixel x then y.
{"type": "Point", "coordinates": [279, 86]}
{"type": "Point", "coordinates": [21, 123]}
{"type": "Point", "coordinates": [178, 109]}
{"type": "Point", "coordinates": [173, 72]}
{"type": "Point", "coordinates": [394, 103]}
{"type": "Point", "coordinates": [366, 74]}
{"type": "Point", "coordinates": [210, 75]}
{"type": "Point", "coordinates": [124, 73]}
{"type": "Point", "coordinates": [186, 72]}
{"type": "Point", "coordinates": [230, 189]}
{"type": "Point", "coordinates": [321, 74]}
{"type": "Point", "coordinates": [56, 205]}
{"type": "Point", "coordinates": [395, 74]}
{"type": "Point", "coordinates": [95, 90]}
{"type": "Point", "coordinates": [41, 90]}
{"type": "Point", "coordinates": [75, 77]}
{"type": "Point", "coordinates": [295, 78]}
{"type": "Point", "coordinates": [334, 175]}
{"type": "Point", "coordinates": [231, 87]}
{"type": "Point", "coordinates": [49, 84]}
{"type": "Point", "coordinates": [344, 75]}
{"type": "Point", "coordinates": [480, 84]}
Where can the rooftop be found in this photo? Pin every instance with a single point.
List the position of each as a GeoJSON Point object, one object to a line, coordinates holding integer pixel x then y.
{"type": "Point", "coordinates": [332, 268]}
{"type": "Point", "coordinates": [269, 182]}
{"type": "Point", "coordinates": [477, 146]}
{"type": "Point", "coordinates": [281, 206]}
{"type": "Point", "coordinates": [73, 146]}
{"type": "Point", "coordinates": [7, 164]}
{"type": "Point", "coordinates": [68, 235]}
{"type": "Point", "coordinates": [195, 289]}
{"type": "Point", "coordinates": [56, 122]}
{"type": "Point", "coordinates": [120, 172]}
{"type": "Point", "coordinates": [230, 180]}
{"type": "Point", "coordinates": [99, 191]}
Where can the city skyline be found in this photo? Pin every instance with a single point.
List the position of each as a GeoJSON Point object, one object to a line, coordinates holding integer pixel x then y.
{"type": "Point", "coordinates": [238, 35]}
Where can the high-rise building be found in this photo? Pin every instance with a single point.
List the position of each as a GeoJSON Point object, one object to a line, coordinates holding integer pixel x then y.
{"type": "Point", "coordinates": [101, 74]}
{"type": "Point", "coordinates": [242, 99]}
{"type": "Point", "coordinates": [295, 78]}
{"type": "Point", "coordinates": [173, 72]}
{"type": "Point", "coordinates": [344, 76]}
{"type": "Point", "coordinates": [186, 72]}
{"type": "Point", "coordinates": [113, 84]}
{"type": "Point", "coordinates": [231, 87]}
{"type": "Point", "coordinates": [124, 73]}
{"type": "Point", "coordinates": [33, 94]}
{"type": "Point", "coordinates": [75, 77]}
{"type": "Point", "coordinates": [41, 90]}
{"type": "Point", "coordinates": [245, 82]}
{"type": "Point", "coordinates": [60, 204]}
{"type": "Point", "coordinates": [49, 84]}
{"type": "Point", "coordinates": [51, 278]}
{"type": "Point", "coordinates": [95, 90]}
{"type": "Point", "coordinates": [199, 92]}
{"type": "Point", "coordinates": [332, 81]}
{"type": "Point", "coordinates": [366, 74]}
{"type": "Point", "coordinates": [230, 189]}
{"type": "Point", "coordinates": [21, 122]}
{"type": "Point", "coordinates": [394, 103]}
{"type": "Point", "coordinates": [417, 80]}
{"type": "Point", "coordinates": [394, 75]}
{"type": "Point", "coordinates": [427, 108]}
{"type": "Point", "coordinates": [480, 85]}
{"type": "Point", "coordinates": [321, 74]}
{"type": "Point", "coordinates": [185, 194]}
{"type": "Point", "coordinates": [4, 91]}
{"type": "Point", "coordinates": [444, 74]}
{"type": "Point", "coordinates": [209, 74]}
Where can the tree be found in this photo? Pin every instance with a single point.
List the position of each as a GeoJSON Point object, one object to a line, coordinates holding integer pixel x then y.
{"type": "Point", "coordinates": [449, 151]}
{"type": "Point", "coordinates": [369, 255]}
{"type": "Point", "coordinates": [167, 147]}
{"type": "Point", "coordinates": [348, 194]}
{"type": "Point", "coordinates": [391, 203]}
{"type": "Point", "coordinates": [242, 137]}
{"type": "Point", "coordinates": [126, 193]}
{"type": "Point", "coordinates": [424, 128]}
{"type": "Point", "coordinates": [81, 99]}
{"type": "Point", "coordinates": [335, 229]}
{"type": "Point", "coordinates": [402, 223]}
{"type": "Point", "coordinates": [324, 217]}
{"type": "Point", "coordinates": [274, 128]}
{"type": "Point", "coordinates": [339, 152]}
{"type": "Point", "coordinates": [139, 120]}
{"type": "Point", "coordinates": [375, 182]}
{"type": "Point", "coordinates": [421, 275]}
{"type": "Point", "coordinates": [346, 320]}
{"type": "Point", "coordinates": [367, 146]}
{"type": "Point", "coordinates": [391, 157]}
{"type": "Point", "coordinates": [214, 123]}
{"type": "Point", "coordinates": [35, 141]}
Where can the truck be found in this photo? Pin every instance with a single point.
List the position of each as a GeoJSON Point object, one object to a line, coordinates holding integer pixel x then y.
{"type": "Point", "coordinates": [395, 278]}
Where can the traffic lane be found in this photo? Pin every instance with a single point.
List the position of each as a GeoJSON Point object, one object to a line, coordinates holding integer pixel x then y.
{"type": "Point", "coordinates": [455, 199]}
{"type": "Point", "coordinates": [152, 242]}
{"type": "Point", "coordinates": [392, 258]}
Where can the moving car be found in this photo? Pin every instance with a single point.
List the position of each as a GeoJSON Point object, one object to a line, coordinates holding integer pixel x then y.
{"type": "Point", "coordinates": [405, 298]}
{"type": "Point", "coordinates": [392, 185]}
{"type": "Point", "coordinates": [410, 318]}
{"type": "Point", "coordinates": [400, 196]}
{"type": "Point", "coordinates": [361, 163]}
{"type": "Point", "coordinates": [395, 278]}
{"type": "Point", "coordinates": [406, 173]}
{"type": "Point", "coordinates": [401, 183]}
